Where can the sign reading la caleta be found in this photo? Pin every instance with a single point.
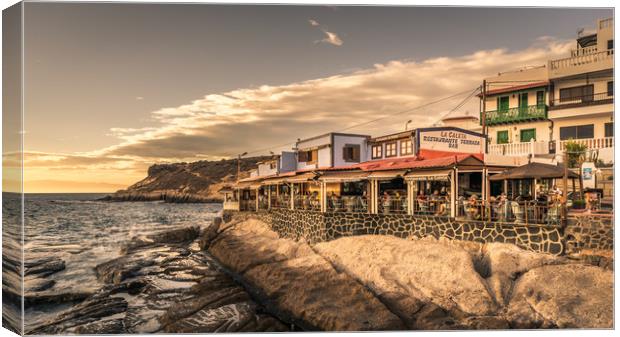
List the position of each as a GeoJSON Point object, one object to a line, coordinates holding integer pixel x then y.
{"type": "Point", "coordinates": [451, 141]}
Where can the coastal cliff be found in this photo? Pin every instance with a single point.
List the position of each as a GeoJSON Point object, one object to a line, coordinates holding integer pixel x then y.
{"type": "Point", "coordinates": [186, 182]}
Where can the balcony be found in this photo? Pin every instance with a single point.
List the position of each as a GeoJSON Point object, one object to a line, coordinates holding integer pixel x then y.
{"type": "Point", "coordinates": [588, 61]}
{"type": "Point", "coordinates": [520, 149]}
{"type": "Point", "coordinates": [580, 101]}
{"type": "Point", "coordinates": [516, 115]}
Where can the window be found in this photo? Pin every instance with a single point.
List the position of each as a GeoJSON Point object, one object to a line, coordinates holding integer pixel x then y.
{"type": "Point", "coordinates": [503, 103]}
{"type": "Point", "coordinates": [610, 44]}
{"type": "Point", "coordinates": [527, 135]}
{"type": "Point", "coordinates": [308, 156]}
{"type": "Point", "coordinates": [609, 129]}
{"type": "Point", "coordinates": [377, 151]}
{"type": "Point", "coordinates": [502, 137]}
{"type": "Point", "coordinates": [540, 99]}
{"type": "Point", "coordinates": [582, 93]}
{"type": "Point", "coordinates": [272, 165]}
{"type": "Point", "coordinates": [577, 132]}
{"type": "Point", "coordinates": [610, 88]}
{"type": "Point", "coordinates": [390, 149]}
{"type": "Point", "coordinates": [351, 153]}
{"type": "Point", "coordinates": [406, 147]}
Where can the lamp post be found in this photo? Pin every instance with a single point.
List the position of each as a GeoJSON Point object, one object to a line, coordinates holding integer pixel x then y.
{"type": "Point", "coordinates": [407, 124]}
{"type": "Point", "coordinates": [239, 164]}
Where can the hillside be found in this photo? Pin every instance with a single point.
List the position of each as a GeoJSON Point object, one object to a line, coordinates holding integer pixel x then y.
{"type": "Point", "coordinates": [187, 182]}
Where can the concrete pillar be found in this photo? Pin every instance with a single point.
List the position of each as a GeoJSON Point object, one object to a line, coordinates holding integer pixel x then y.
{"type": "Point", "coordinates": [323, 197]}
{"type": "Point", "coordinates": [257, 205]}
{"type": "Point", "coordinates": [292, 188]}
{"type": "Point", "coordinates": [374, 196]}
{"type": "Point", "coordinates": [269, 197]}
{"type": "Point", "coordinates": [453, 193]}
{"type": "Point", "coordinates": [410, 197]}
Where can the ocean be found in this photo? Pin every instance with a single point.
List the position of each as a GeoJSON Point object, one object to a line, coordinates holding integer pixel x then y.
{"type": "Point", "coordinates": [84, 232]}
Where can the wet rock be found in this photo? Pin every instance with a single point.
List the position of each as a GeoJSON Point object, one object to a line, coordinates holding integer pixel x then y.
{"type": "Point", "coordinates": [176, 236]}
{"type": "Point", "coordinates": [43, 266]}
{"type": "Point", "coordinates": [564, 296]}
{"type": "Point", "coordinates": [82, 314]}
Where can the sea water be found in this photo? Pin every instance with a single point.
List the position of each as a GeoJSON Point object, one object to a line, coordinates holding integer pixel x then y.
{"type": "Point", "coordinates": [85, 232]}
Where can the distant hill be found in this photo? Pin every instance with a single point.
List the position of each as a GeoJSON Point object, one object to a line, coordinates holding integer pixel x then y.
{"type": "Point", "coordinates": [187, 182]}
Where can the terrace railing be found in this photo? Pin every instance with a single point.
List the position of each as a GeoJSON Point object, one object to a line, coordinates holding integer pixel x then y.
{"type": "Point", "coordinates": [281, 202]}
{"type": "Point", "coordinates": [519, 149]}
{"type": "Point", "coordinates": [583, 100]}
{"type": "Point", "coordinates": [516, 212]}
{"type": "Point", "coordinates": [309, 203]}
{"type": "Point", "coordinates": [518, 114]}
{"type": "Point", "coordinates": [591, 143]}
{"type": "Point", "coordinates": [393, 206]}
{"type": "Point", "coordinates": [351, 204]}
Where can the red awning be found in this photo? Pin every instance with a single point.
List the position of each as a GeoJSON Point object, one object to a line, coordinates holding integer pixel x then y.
{"type": "Point", "coordinates": [416, 162]}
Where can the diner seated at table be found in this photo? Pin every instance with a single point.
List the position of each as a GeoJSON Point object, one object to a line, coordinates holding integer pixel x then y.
{"type": "Point", "coordinates": [443, 208]}
{"type": "Point", "coordinates": [473, 211]}
{"type": "Point", "coordinates": [422, 201]}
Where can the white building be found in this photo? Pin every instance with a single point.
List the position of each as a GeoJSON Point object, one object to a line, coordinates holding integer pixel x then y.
{"type": "Point", "coordinates": [533, 112]}
{"type": "Point", "coordinates": [331, 150]}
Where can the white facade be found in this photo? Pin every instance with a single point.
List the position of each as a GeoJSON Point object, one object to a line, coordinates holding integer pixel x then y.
{"type": "Point", "coordinates": [328, 150]}
{"type": "Point", "coordinates": [542, 108]}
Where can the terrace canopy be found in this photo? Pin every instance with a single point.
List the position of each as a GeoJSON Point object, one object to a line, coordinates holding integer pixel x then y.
{"type": "Point", "coordinates": [534, 171]}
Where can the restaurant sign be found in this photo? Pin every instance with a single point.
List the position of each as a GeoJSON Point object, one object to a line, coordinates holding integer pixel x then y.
{"type": "Point", "coordinates": [450, 140]}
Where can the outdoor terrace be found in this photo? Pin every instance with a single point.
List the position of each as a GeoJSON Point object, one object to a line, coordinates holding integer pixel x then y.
{"type": "Point", "coordinates": [580, 101]}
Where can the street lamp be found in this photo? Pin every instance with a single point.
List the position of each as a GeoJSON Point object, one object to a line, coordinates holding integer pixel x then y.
{"type": "Point", "coordinates": [239, 164]}
{"type": "Point", "coordinates": [407, 124]}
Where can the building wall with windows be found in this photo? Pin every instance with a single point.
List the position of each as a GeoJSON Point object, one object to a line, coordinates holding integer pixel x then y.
{"type": "Point", "coordinates": [391, 146]}
{"type": "Point", "coordinates": [583, 127]}
{"type": "Point", "coordinates": [349, 150]}
{"type": "Point", "coordinates": [514, 133]}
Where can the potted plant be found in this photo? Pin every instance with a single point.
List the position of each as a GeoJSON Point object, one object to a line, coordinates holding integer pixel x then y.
{"type": "Point", "coordinates": [579, 204]}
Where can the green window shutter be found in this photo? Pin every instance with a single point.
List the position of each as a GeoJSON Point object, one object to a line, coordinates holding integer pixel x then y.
{"type": "Point", "coordinates": [502, 137]}
{"type": "Point", "coordinates": [528, 134]}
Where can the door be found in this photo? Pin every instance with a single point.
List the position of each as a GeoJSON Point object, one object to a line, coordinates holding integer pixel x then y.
{"type": "Point", "coordinates": [503, 104]}
{"type": "Point", "coordinates": [523, 104]}
{"type": "Point", "coordinates": [527, 135]}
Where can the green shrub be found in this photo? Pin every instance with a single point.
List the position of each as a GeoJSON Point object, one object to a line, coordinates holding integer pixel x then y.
{"type": "Point", "coordinates": [576, 153]}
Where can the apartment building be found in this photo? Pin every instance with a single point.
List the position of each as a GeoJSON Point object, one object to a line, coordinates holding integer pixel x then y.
{"type": "Point", "coordinates": [534, 111]}
{"type": "Point", "coordinates": [331, 150]}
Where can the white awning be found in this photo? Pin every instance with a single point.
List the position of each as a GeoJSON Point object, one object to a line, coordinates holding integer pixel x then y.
{"type": "Point", "coordinates": [387, 174]}
{"type": "Point", "coordinates": [341, 177]}
{"type": "Point", "coordinates": [429, 175]}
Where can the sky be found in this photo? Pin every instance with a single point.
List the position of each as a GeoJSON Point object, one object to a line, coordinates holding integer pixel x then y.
{"type": "Point", "coordinates": [113, 88]}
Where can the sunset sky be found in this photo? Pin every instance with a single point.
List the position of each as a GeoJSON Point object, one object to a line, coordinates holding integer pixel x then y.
{"type": "Point", "coordinates": [113, 88]}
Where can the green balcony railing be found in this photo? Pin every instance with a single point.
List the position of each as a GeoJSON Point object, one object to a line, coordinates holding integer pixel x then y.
{"type": "Point", "coordinates": [516, 115]}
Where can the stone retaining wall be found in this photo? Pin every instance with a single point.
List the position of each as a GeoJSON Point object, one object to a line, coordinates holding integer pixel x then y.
{"type": "Point", "coordinates": [592, 232]}
{"type": "Point", "coordinates": [582, 232]}
{"type": "Point", "coordinates": [317, 227]}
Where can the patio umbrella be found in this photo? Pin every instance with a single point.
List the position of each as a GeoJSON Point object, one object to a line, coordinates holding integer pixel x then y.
{"type": "Point", "coordinates": [533, 171]}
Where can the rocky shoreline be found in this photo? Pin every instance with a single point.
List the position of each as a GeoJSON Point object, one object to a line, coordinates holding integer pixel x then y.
{"type": "Point", "coordinates": [166, 196]}
{"type": "Point", "coordinates": [164, 283]}
{"type": "Point", "coordinates": [240, 276]}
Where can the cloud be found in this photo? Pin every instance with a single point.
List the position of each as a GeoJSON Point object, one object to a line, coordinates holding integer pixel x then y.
{"type": "Point", "coordinates": [139, 98]}
{"type": "Point", "coordinates": [330, 37]}
{"type": "Point", "coordinates": [221, 125]}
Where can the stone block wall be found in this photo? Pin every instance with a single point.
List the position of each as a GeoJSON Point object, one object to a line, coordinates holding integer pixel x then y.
{"type": "Point", "coordinates": [318, 227]}
{"type": "Point", "coordinates": [593, 232]}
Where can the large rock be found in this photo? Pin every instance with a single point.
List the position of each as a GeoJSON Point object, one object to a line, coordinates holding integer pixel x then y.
{"type": "Point", "coordinates": [503, 263]}
{"type": "Point", "coordinates": [563, 296]}
{"type": "Point", "coordinates": [299, 282]}
{"type": "Point", "coordinates": [399, 269]}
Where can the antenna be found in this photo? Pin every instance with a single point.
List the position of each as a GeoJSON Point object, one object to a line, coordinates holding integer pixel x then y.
{"type": "Point", "coordinates": [580, 32]}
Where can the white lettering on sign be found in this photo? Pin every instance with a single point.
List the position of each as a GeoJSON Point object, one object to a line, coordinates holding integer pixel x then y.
{"type": "Point", "coordinates": [451, 141]}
